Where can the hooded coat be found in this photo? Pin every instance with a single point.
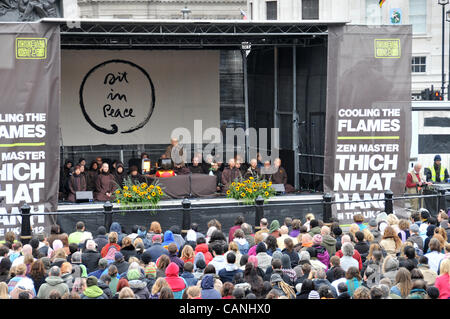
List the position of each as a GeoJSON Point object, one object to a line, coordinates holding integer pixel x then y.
{"type": "Point", "coordinates": [93, 292]}
{"type": "Point", "coordinates": [137, 284]}
{"type": "Point", "coordinates": [115, 227]}
{"type": "Point", "coordinates": [203, 248]}
{"type": "Point", "coordinates": [227, 274]}
{"type": "Point", "coordinates": [391, 269]}
{"type": "Point", "coordinates": [208, 291]}
{"type": "Point", "coordinates": [90, 259]}
{"type": "Point", "coordinates": [330, 244]}
{"type": "Point", "coordinates": [76, 183]}
{"type": "Point", "coordinates": [119, 177]}
{"type": "Point", "coordinates": [105, 183]}
{"type": "Point", "coordinates": [52, 283]}
{"type": "Point", "coordinates": [176, 283]}
{"type": "Point", "coordinates": [168, 239]}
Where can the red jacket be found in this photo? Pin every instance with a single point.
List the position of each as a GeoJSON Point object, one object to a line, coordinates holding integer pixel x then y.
{"type": "Point", "coordinates": [105, 249]}
{"type": "Point", "coordinates": [356, 256]}
{"type": "Point", "coordinates": [203, 248]}
{"type": "Point", "coordinates": [409, 181]}
{"type": "Point", "coordinates": [443, 284]}
{"type": "Point", "coordinates": [175, 282]}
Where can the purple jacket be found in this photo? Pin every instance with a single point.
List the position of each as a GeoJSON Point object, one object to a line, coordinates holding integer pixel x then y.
{"type": "Point", "coordinates": [180, 263]}
{"type": "Point", "coordinates": [322, 255]}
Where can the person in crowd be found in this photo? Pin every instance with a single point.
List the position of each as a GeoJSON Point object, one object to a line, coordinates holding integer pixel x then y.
{"type": "Point", "coordinates": [53, 282]}
{"type": "Point", "coordinates": [128, 250]}
{"type": "Point", "coordinates": [443, 280]}
{"type": "Point", "coordinates": [231, 269]}
{"type": "Point", "coordinates": [237, 225]}
{"type": "Point", "coordinates": [354, 280]}
{"type": "Point", "coordinates": [403, 284]}
{"type": "Point", "coordinates": [188, 274]}
{"type": "Point", "coordinates": [435, 255]}
{"type": "Point", "coordinates": [105, 185]}
{"type": "Point", "coordinates": [241, 241]}
{"type": "Point", "coordinates": [415, 181]}
{"type": "Point", "coordinates": [174, 151]}
{"type": "Point", "coordinates": [361, 245]}
{"type": "Point", "coordinates": [391, 243]}
{"type": "Point", "coordinates": [437, 173]}
{"type": "Point", "coordinates": [196, 168]}
{"type": "Point", "coordinates": [93, 291]}
{"type": "Point", "coordinates": [207, 288]}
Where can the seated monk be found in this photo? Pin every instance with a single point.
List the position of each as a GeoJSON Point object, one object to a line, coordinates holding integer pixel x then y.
{"type": "Point", "coordinates": [230, 174]}
{"type": "Point", "coordinates": [266, 171]}
{"type": "Point", "coordinates": [280, 176]}
{"type": "Point", "coordinates": [195, 168]}
{"type": "Point", "coordinates": [253, 170]}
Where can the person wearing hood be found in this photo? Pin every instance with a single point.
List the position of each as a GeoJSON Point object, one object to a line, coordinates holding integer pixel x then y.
{"type": "Point", "coordinates": [328, 242]}
{"type": "Point", "coordinates": [199, 266]}
{"type": "Point", "coordinates": [231, 269]}
{"type": "Point", "coordinates": [116, 227]}
{"type": "Point", "coordinates": [119, 174]}
{"type": "Point", "coordinates": [105, 185]}
{"type": "Point", "coordinates": [168, 239]}
{"type": "Point", "coordinates": [137, 284]}
{"type": "Point", "coordinates": [101, 240]}
{"type": "Point", "coordinates": [390, 268]}
{"type": "Point", "coordinates": [208, 291]}
{"type": "Point", "coordinates": [315, 228]}
{"type": "Point", "coordinates": [316, 264]}
{"type": "Point", "coordinates": [176, 232]}
{"type": "Point", "coordinates": [90, 256]}
{"type": "Point", "coordinates": [76, 183]}
{"type": "Point", "coordinates": [191, 238]}
{"type": "Point", "coordinates": [263, 258]}
{"type": "Point", "coordinates": [176, 283]}
{"type": "Point", "coordinates": [53, 282]}
{"type": "Point", "coordinates": [79, 270]}
{"type": "Point", "coordinates": [274, 228]}
{"type": "Point", "coordinates": [120, 263]}
{"type": "Point", "coordinates": [202, 247]}
{"type": "Point", "coordinates": [241, 241]}
{"type": "Point", "coordinates": [286, 268]}
{"type": "Point", "coordinates": [93, 291]}
{"type": "Point", "coordinates": [218, 261]}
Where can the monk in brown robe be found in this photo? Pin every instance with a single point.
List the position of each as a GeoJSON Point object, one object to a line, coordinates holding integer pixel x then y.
{"type": "Point", "coordinates": [253, 170]}
{"type": "Point", "coordinates": [105, 185]}
{"type": "Point", "coordinates": [77, 183]}
{"type": "Point", "coordinates": [280, 176]}
{"type": "Point", "coordinates": [172, 149]}
{"type": "Point", "coordinates": [230, 173]}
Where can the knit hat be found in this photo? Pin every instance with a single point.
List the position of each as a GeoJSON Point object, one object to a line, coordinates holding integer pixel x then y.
{"type": "Point", "coordinates": [261, 248]}
{"type": "Point", "coordinates": [156, 237]}
{"type": "Point", "coordinates": [437, 158]}
{"type": "Point", "coordinates": [76, 257]}
{"type": "Point", "coordinates": [150, 270]}
{"type": "Point", "coordinates": [91, 281]}
{"type": "Point", "coordinates": [90, 244]}
{"type": "Point", "coordinates": [133, 274]}
{"type": "Point", "coordinates": [414, 228]}
{"type": "Point", "coordinates": [373, 222]}
{"type": "Point", "coordinates": [118, 256]}
{"type": "Point", "coordinates": [277, 255]}
{"type": "Point", "coordinates": [275, 278]}
{"type": "Point", "coordinates": [317, 239]}
{"type": "Point", "coordinates": [146, 257]}
{"type": "Point", "coordinates": [274, 225]}
{"type": "Point", "coordinates": [102, 263]}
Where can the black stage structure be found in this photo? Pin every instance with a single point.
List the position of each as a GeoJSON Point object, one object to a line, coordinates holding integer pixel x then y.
{"type": "Point", "coordinates": [272, 74]}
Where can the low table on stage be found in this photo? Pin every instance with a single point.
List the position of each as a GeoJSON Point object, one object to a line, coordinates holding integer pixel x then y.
{"type": "Point", "coordinates": [180, 186]}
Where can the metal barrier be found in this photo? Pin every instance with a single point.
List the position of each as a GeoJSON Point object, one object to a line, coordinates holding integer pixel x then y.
{"type": "Point", "coordinates": [326, 202]}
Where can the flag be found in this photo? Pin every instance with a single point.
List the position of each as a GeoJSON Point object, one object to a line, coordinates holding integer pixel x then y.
{"type": "Point", "coordinates": [381, 3]}
{"type": "Point", "coordinates": [243, 14]}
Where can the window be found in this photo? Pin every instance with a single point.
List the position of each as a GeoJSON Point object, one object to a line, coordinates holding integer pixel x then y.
{"type": "Point", "coordinates": [373, 12]}
{"type": "Point", "coordinates": [310, 9]}
{"type": "Point", "coordinates": [418, 16]}
{"type": "Point", "coordinates": [419, 64]}
{"type": "Point", "coordinates": [271, 10]}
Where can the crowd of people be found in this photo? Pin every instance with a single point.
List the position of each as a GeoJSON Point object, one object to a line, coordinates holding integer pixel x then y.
{"type": "Point", "coordinates": [103, 176]}
{"type": "Point", "coordinates": [381, 258]}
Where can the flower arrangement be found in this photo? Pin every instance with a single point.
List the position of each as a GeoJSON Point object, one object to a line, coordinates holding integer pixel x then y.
{"type": "Point", "coordinates": [139, 195]}
{"type": "Point", "coordinates": [248, 190]}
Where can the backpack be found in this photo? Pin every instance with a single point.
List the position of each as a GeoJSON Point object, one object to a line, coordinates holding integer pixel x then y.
{"type": "Point", "coordinates": [110, 255]}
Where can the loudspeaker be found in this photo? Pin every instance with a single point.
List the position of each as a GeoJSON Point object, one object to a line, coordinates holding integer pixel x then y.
{"type": "Point", "coordinates": [83, 197]}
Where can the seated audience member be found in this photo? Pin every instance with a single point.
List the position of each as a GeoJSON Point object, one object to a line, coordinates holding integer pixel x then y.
{"type": "Point", "coordinates": [196, 168]}
{"type": "Point", "coordinates": [105, 185]}
{"type": "Point", "coordinates": [280, 176]}
{"type": "Point", "coordinates": [253, 170]}
{"type": "Point", "coordinates": [230, 173]}
{"type": "Point", "coordinates": [77, 183]}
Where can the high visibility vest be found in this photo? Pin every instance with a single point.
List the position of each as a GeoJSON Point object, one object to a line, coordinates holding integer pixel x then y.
{"type": "Point", "coordinates": [441, 174]}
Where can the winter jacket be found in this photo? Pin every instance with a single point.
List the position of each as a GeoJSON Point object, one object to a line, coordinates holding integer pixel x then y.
{"type": "Point", "coordinates": [106, 248]}
{"type": "Point", "coordinates": [179, 240]}
{"type": "Point", "coordinates": [434, 258]}
{"type": "Point", "coordinates": [347, 262]}
{"type": "Point", "coordinates": [264, 260]}
{"type": "Point", "coordinates": [293, 255]}
{"type": "Point", "coordinates": [128, 251]}
{"type": "Point", "coordinates": [169, 239]}
{"type": "Point", "coordinates": [106, 290]}
{"type": "Point", "coordinates": [391, 269]}
{"type": "Point", "coordinates": [428, 275]}
{"type": "Point", "coordinates": [52, 283]}
{"type": "Point", "coordinates": [243, 245]}
{"type": "Point", "coordinates": [176, 283]}
{"type": "Point", "coordinates": [352, 285]}
{"type": "Point", "coordinates": [322, 255]}
{"type": "Point", "coordinates": [442, 283]}
{"type": "Point", "coordinates": [203, 248]}
{"type": "Point", "coordinates": [363, 249]}
{"type": "Point", "coordinates": [68, 279]}
{"type": "Point", "coordinates": [417, 294]}
{"type": "Point", "coordinates": [219, 263]}
{"type": "Point", "coordinates": [190, 279]}
{"type": "Point", "coordinates": [122, 266]}
{"type": "Point", "coordinates": [101, 241]}
{"type": "Point", "coordinates": [321, 282]}
{"type": "Point", "coordinates": [155, 251]}
{"type": "Point", "coordinates": [93, 292]}
{"type": "Point", "coordinates": [416, 239]}
{"type": "Point", "coordinates": [13, 282]}
{"type": "Point", "coordinates": [356, 256]}
{"type": "Point", "coordinates": [139, 288]}
{"type": "Point", "coordinates": [208, 291]}
{"type": "Point", "coordinates": [175, 259]}
{"type": "Point", "coordinates": [376, 235]}
{"type": "Point", "coordinates": [90, 259]}
{"type": "Point", "coordinates": [330, 244]}
{"type": "Point", "coordinates": [314, 231]}
{"type": "Point", "coordinates": [227, 274]}
{"type": "Point", "coordinates": [115, 227]}
{"type": "Point", "coordinates": [389, 246]}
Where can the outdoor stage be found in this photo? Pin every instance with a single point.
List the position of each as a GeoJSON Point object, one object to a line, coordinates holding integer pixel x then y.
{"type": "Point", "coordinates": [202, 210]}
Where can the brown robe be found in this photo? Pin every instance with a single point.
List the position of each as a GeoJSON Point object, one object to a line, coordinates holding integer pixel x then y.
{"type": "Point", "coordinates": [255, 173]}
{"type": "Point", "coordinates": [280, 177]}
{"type": "Point", "coordinates": [182, 170]}
{"type": "Point", "coordinates": [105, 184]}
{"type": "Point", "coordinates": [77, 183]}
{"type": "Point", "coordinates": [229, 175]}
{"type": "Point", "coordinates": [168, 153]}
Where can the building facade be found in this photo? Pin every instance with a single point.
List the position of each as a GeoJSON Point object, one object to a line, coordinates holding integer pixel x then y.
{"type": "Point", "coordinates": [161, 9]}
{"type": "Point", "coordinates": [424, 15]}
